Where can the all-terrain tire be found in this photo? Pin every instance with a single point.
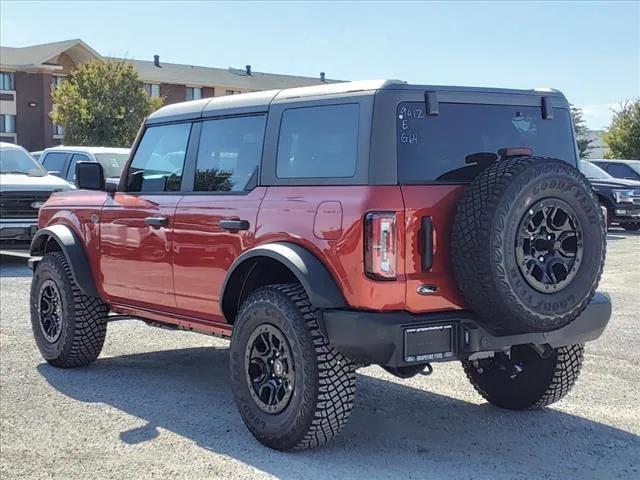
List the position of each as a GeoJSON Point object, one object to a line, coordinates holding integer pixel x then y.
{"type": "Point", "coordinates": [83, 319]}
{"type": "Point", "coordinates": [541, 381]}
{"type": "Point", "coordinates": [324, 386]}
{"type": "Point", "coordinates": [631, 227]}
{"type": "Point", "coordinates": [488, 223]}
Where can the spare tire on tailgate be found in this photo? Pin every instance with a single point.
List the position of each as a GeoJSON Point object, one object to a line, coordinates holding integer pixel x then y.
{"type": "Point", "coordinates": [528, 245]}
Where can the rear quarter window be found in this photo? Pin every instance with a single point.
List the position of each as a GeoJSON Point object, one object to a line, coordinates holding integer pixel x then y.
{"type": "Point", "coordinates": [318, 142]}
{"type": "Point", "coordinates": [441, 148]}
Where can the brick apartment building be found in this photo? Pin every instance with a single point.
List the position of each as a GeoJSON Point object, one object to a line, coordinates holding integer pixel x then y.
{"type": "Point", "coordinates": [28, 74]}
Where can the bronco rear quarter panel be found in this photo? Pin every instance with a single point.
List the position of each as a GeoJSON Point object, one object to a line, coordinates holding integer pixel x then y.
{"type": "Point", "coordinates": [289, 214]}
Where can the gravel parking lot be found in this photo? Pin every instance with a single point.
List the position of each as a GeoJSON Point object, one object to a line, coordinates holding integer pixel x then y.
{"type": "Point", "coordinates": [157, 404]}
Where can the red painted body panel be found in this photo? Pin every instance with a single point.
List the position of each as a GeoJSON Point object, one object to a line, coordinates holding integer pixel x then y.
{"type": "Point", "coordinates": [439, 202]}
{"type": "Point", "coordinates": [174, 274]}
{"type": "Point", "coordinates": [287, 214]}
{"type": "Point", "coordinates": [203, 252]}
{"type": "Point", "coordinates": [74, 209]}
{"type": "Point", "coordinates": [136, 259]}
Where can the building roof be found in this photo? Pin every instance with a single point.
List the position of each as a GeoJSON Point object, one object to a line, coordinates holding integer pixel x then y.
{"type": "Point", "coordinates": [42, 56]}
{"type": "Point", "coordinates": [207, 76]}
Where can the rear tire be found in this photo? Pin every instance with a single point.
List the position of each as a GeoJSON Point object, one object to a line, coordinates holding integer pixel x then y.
{"type": "Point", "coordinates": [322, 380]}
{"type": "Point", "coordinates": [526, 380]}
{"type": "Point", "coordinates": [69, 327]}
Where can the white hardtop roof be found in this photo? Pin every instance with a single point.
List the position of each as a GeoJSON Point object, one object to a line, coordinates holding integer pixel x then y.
{"type": "Point", "coordinates": [94, 150]}
{"type": "Point", "coordinates": [10, 146]}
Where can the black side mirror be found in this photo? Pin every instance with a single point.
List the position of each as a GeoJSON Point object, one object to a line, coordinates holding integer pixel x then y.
{"type": "Point", "coordinates": [90, 176]}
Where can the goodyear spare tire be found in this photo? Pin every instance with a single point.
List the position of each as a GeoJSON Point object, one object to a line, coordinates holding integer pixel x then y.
{"type": "Point", "coordinates": [528, 245]}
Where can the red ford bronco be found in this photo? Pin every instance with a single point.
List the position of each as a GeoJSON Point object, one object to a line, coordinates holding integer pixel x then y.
{"type": "Point", "coordinates": [325, 228]}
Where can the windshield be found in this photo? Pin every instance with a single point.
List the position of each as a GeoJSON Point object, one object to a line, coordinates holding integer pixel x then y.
{"type": "Point", "coordinates": [459, 142]}
{"type": "Point", "coordinates": [112, 163]}
{"type": "Point", "coordinates": [635, 166]}
{"type": "Point", "coordinates": [593, 171]}
{"type": "Point", "coordinates": [15, 160]}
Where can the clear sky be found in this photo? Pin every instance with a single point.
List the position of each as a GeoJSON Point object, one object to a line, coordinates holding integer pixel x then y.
{"type": "Point", "coordinates": [589, 50]}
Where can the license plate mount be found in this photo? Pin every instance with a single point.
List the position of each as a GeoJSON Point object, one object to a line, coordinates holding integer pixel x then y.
{"type": "Point", "coordinates": [428, 343]}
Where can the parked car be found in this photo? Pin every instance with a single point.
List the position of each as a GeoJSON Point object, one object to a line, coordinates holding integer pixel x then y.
{"type": "Point", "coordinates": [621, 197]}
{"type": "Point", "coordinates": [24, 187]}
{"type": "Point", "coordinates": [61, 161]}
{"type": "Point", "coordinates": [629, 169]}
{"type": "Point", "coordinates": [329, 227]}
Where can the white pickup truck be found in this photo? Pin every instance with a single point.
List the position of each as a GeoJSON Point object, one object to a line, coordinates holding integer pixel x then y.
{"type": "Point", "coordinates": [24, 186]}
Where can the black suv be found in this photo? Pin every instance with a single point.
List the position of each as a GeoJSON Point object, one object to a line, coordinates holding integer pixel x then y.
{"type": "Point", "coordinates": [629, 169]}
{"type": "Point", "coordinates": [621, 197]}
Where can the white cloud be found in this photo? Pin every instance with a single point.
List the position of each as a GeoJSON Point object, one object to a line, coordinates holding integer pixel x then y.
{"type": "Point", "coordinates": [598, 116]}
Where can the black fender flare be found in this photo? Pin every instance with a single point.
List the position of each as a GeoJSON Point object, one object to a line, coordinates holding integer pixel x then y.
{"type": "Point", "coordinates": [316, 279]}
{"type": "Point", "coordinates": [73, 248]}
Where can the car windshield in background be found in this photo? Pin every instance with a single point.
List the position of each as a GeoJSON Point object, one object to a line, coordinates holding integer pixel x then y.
{"type": "Point", "coordinates": [112, 163]}
{"type": "Point", "coordinates": [635, 166]}
{"type": "Point", "coordinates": [463, 139]}
{"type": "Point", "coordinates": [593, 171]}
{"type": "Point", "coordinates": [13, 160]}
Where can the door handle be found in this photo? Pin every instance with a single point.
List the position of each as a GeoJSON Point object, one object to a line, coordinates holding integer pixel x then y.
{"type": "Point", "coordinates": [157, 221]}
{"type": "Point", "coordinates": [234, 225]}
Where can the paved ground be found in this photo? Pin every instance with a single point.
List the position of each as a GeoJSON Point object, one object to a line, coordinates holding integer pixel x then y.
{"type": "Point", "coordinates": [157, 404]}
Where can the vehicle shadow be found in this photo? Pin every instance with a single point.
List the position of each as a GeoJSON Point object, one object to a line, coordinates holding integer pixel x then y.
{"type": "Point", "coordinates": [395, 430]}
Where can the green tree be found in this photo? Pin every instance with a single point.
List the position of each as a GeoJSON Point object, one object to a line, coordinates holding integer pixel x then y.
{"type": "Point", "coordinates": [623, 136]}
{"type": "Point", "coordinates": [582, 132]}
{"type": "Point", "coordinates": [102, 103]}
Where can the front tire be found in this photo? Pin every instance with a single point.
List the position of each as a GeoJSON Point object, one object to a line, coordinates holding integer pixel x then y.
{"type": "Point", "coordinates": [525, 380]}
{"type": "Point", "coordinates": [292, 388]}
{"type": "Point", "coordinates": [69, 327]}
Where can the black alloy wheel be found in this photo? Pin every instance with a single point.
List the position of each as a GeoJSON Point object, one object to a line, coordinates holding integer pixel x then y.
{"type": "Point", "coordinates": [549, 245]}
{"type": "Point", "coordinates": [270, 368]}
{"type": "Point", "coordinates": [50, 311]}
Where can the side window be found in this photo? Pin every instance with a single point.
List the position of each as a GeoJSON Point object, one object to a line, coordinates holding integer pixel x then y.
{"type": "Point", "coordinates": [229, 154]}
{"type": "Point", "coordinates": [620, 170]}
{"type": "Point", "coordinates": [159, 159]}
{"type": "Point", "coordinates": [318, 142]}
{"type": "Point", "coordinates": [71, 171]}
{"type": "Point", "coordinates": [54, 162]}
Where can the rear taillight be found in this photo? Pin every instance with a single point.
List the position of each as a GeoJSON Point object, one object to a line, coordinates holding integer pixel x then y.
{"type": "Point", "coordinates": [380, 245]}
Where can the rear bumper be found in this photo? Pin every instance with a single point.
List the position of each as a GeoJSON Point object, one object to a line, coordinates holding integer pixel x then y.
{"type": "Point", "coordinates": [383, 338]}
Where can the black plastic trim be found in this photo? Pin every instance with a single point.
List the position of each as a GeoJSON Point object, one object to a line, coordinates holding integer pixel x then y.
{"type": "Point", "coordinates": [547, 108]}
{"type": "Point", "coordinates": [319, 284]}
{"type": "Point", "coordinates": [433, 107]}
{"type": "Point", "coordinates": [427, 243]}
{"type": "Point", "coordinates": [378, 338]}
{"type": "Point", "coordinates": [73, 249]}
